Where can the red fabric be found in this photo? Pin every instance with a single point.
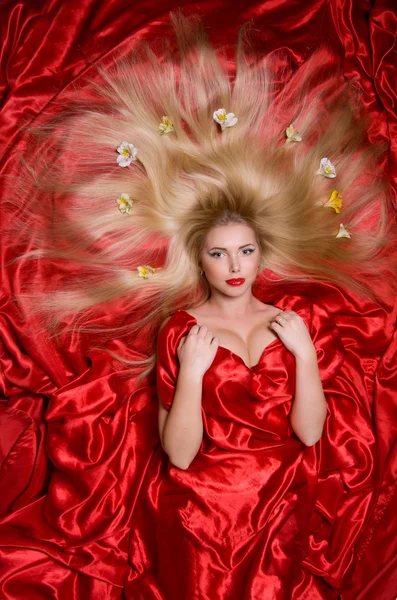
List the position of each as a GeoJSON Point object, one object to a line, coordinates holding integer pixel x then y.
{"type": "Point", "coordinates": [82, 515]}
{"type": "Point", "coordinates": [247, 497]}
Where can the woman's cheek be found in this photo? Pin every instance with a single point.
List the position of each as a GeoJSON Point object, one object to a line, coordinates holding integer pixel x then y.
{"type": "Point", "coordinates": [214, 272]}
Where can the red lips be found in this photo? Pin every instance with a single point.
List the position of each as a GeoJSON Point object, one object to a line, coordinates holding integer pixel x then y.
{"type": "Point", "coordinates": [238, 281]}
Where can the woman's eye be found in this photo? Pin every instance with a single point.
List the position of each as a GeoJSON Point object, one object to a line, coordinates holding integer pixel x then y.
{"type": "Point", "coordinates": [246, 252]}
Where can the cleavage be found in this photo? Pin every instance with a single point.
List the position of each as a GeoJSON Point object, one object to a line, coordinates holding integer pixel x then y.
{"type": "Point", "coordinates": [250, 359]}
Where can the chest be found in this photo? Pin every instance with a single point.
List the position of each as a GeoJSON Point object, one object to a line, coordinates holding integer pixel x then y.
{"type": "Point", "coordinates": [247, 340]}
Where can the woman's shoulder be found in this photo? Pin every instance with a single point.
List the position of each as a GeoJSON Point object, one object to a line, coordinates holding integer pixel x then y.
{"type": "Point", "coordinates": [181, 318]}
{"type": "Point", "coordinates": [301, 304]}
{"type": "Point", "coordinates": [305, 306]}
{"type": "Point", "coordinates": [319, 318]}
{"type": "Point", "coordinates": [316, 313]}
{"type": "Point", "coordinates": [176, 324]}
{"type": "Point", "coordinates": [172, 329]}
{"type": "Point", "coordinates": [178, 317]}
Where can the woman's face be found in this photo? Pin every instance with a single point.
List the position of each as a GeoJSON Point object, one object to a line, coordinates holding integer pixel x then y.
{"type": "Point", "coordinates": [230, 258]}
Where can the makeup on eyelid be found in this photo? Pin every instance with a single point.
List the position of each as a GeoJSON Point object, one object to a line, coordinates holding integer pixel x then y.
{"type": "Point", "coordinates": [230, 259]}
{"type": "Point", "coordinates": [213, 252]}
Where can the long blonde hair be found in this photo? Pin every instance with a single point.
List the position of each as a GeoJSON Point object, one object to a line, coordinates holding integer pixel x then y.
{"type": "Point", "coordinates": [195, 177]}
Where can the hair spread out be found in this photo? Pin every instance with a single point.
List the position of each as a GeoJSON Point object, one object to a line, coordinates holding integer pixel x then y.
{"type": "Point", "coordinates": [194, 178]}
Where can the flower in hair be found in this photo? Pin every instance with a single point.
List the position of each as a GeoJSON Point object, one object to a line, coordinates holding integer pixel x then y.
{"type": "Point", "coordinates": [326, 168]}
{"type": "Point", "coordinates": [343, 232]}
{"type": "Point", "coordinates": [292, 135]}
{"type": "Point", "coordinates": [335, 201]}
{"type": "Point", "coordinates": [145, 272]}
{"type": "Point", "coordinates": [125, 203]}
{"type": "Point", "coordinates": [127, 154]}
{"type": "Point", "coordinates": [224, 119]}
{"type": "Point", "coordinates": [166, 126]}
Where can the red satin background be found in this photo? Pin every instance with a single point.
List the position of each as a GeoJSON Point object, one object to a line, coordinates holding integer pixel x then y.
{"type": "Point", "coordinates": [81, 460]}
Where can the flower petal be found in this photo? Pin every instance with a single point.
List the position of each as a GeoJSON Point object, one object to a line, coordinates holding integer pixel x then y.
{"type": "Point", "coordinates": [343, 232]}
{"type": "Point", "coordinates": [292, 135]}
{"type": "Point", "coordinates": [232, 120]}
{"type": "Point", "coordinates": [166, 126]}
{"type": "Point", "coordinates": [125, 203]}
{"type": "Point", "coordinates": [219, 115]}
{"type": "Point", "coordinates": [224, 119]}
{"type": "Point", "coordinates": [326, 168]}
{"type": "Point", "coordinates": [145, 271]}
{"type": "Point", "coordinates": [124, 161]}
{"type": "Point", "coordinates": [127, 153]}
{"type": "Point", "coordinates": [335, 201]}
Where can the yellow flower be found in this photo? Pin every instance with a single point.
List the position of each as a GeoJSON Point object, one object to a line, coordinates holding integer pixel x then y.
{"type": "Point", "coordinates": [343, 232]}
{"type": "Point", "coordinates": [125, 203]}
{"type": "Point", "coordinates": [145, 271]}
{"type": "Point", "coordinates": [166, 126]}
{"type": "Point", "coordinates": [292, 135]}
{"type": "Point", "coordinates": [335, 201]}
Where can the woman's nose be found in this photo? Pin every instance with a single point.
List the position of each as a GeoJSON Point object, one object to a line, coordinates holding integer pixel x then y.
{"type": "Point", "coordinates": [234, 266]}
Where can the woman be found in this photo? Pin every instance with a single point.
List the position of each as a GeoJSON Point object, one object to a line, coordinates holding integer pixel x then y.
{"type": "Point", "coordinates": [240, 517]}
{"type": "Point", "coordinates": [230, 261]}
{"type": "Point", "coordinates": [154, 180]}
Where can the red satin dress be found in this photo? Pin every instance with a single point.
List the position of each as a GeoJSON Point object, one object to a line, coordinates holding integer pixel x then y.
{"type": "Point", "coordinates": [238, 523]}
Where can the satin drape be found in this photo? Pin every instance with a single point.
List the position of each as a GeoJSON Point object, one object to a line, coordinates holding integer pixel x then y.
{"type": "Point", "coordinates": [77, 443]}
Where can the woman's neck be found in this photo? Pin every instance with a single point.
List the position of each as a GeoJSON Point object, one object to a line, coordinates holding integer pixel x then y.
{"type": "Point", "coordinates": [229, 308]}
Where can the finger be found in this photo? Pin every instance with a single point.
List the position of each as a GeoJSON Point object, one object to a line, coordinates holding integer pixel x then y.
{"type": "Point", "coordinates": [291, 315]}
{"type": "Point", "coordinates": [194, 330]}
{"type": "Point", "coordinates": [284, 315]}
{"type": "Point", "coordinates": [209, 336]}
{"type": "Point", "coordinates": [275, 326]}
{"type": "Point", "coordinates": [203, 331]}
{"type": "Point", "coordinates": [215, 341]}
{"type": "Point", "coordinates": [181, 342]}
{"type": "Point", "coordinates": [279, 319]}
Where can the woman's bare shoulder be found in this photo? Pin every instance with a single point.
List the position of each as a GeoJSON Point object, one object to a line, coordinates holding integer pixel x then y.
{"type": "Point", "coordinates": [268, 309]}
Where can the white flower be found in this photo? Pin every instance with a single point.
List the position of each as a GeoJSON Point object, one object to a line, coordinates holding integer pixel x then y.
{"type": "Point", "coordinates": [146, 271]}
{"type": "Point", "coordinates": [343, 232]}
{"type": "Point", "coordinates": [125, 203]}
{"type": "Point", "coordinates": [127, 154]}
{"type": "Point", "coordinates": [224, 119]}
{"type": "Point", "coordinates": [166, 126]}
{"type": "Point", "coordinates": [292, 135]}
{"type": "Point", "coordinates": [326, 168]}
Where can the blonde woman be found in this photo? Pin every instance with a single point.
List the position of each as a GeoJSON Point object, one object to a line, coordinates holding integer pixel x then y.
{"type": "Point", "coordinates": [230, 261]}
{"type": "Point", "coordinates": [240, 400]}
{"type": "Point", "coordinates": [198, 209]}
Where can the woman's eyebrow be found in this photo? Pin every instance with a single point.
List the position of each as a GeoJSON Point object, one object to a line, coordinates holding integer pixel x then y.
{"type": "Point", "coordinates": [219, 248]}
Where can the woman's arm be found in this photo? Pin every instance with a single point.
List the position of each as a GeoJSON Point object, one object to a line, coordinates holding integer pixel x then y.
{"type": "Point", "coordinates": [182, 431]}
{"type": "Point", "coordinates": [309, 408]}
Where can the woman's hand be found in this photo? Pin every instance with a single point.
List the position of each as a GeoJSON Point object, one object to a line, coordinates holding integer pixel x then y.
{"type": "Point", "coordinates": [197, 350]}
{"type": "Point", "coordinates": [292, 331]}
